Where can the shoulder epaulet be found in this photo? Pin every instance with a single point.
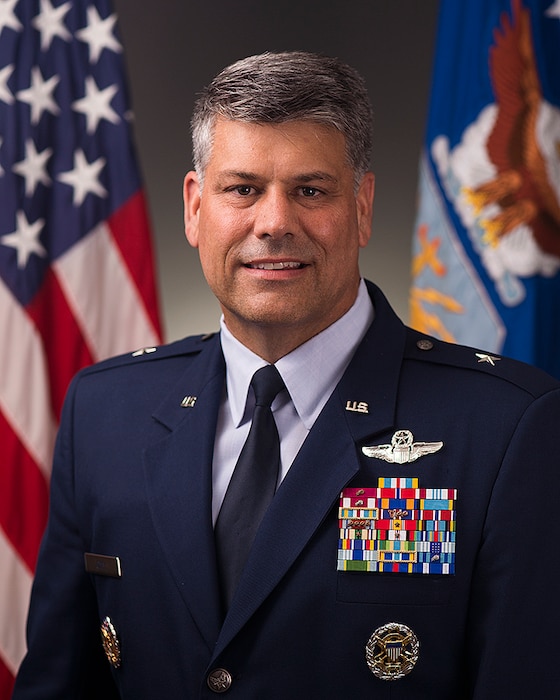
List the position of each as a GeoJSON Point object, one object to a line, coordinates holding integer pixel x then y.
{"type": "Point", "coordinates": [186, 346]}
{"type": "Point", "coordinates": [429, 349]}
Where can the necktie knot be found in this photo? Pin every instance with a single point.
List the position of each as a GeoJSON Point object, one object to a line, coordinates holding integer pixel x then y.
{"type": "Point", "coordinates": [266, 383]}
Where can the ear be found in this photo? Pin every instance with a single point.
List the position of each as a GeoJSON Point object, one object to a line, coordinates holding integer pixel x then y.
{"type": "Point", "coordinates": [364, 208]}
{"type": "Point", "coordinates": [191, 201]}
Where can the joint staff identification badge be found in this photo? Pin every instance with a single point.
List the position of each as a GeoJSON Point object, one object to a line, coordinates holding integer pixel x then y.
{"type": "Point", "coordinates": [392, 651]}
{"type": "Point", "coordinates": [397, 528]}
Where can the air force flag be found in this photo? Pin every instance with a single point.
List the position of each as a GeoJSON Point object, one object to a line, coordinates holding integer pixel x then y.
{"type": "Point", "coordinates": [486, 254]}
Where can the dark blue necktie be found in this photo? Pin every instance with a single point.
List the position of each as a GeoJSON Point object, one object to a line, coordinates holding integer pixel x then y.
{"type": "Point", "coordinates": [252, 484]}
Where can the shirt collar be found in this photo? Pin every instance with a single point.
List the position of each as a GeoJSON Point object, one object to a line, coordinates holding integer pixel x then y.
{"type": "Point", "coordinates": [310, 372]}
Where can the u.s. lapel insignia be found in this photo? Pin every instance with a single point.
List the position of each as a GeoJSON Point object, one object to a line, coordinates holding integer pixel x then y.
{"type": "Point", "coordinates": [111, 644]}
{"type": "Point", "coordinates": [357, 406]}
{"type": "Point", "coordinates": [402, 449]}
{"type": "Point", "coordinates": [188, 402]}
{"type": "Point", "coordinates": [392, 651]}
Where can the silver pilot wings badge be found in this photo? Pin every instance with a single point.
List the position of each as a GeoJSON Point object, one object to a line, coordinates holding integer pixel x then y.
{"type": "Point", "coordinates": [402, 449]}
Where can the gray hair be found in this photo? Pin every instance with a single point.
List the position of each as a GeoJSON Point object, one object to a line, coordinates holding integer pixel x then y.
{"type": "Point", "coordinates": [272, 88]}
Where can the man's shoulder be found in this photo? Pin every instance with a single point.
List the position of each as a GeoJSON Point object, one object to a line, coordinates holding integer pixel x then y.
{"type": "Point", "coordinates": [479, 362]}
{"type": "Point", "coordinates": [154, 357]}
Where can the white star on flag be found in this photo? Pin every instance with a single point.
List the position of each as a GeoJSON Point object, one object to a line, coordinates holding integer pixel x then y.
{"type": "Point", "coordinates": [96, 105]}
{"type": "Point", "coordinates": [49, 22]}
{"type": "Point", "coordinates": [34, 167]}
{"type": "Point", "coordinates": [39, 95]}
{"type": "Point", "coordinates": [99, 34]}
{"type": "Point", "coordinates": [84, 177]}
{"type": "Point", "coordinates": [25, 239]}
{"type": "Point", "coordinates": [5, 94]}
{"type": "Point", "coordinates": [554, 10]}
{"type": "Point", "coordinates": [7, 16]}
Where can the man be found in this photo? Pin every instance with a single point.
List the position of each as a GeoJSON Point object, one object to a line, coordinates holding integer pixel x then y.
{"type": "Point", "coordinates": [408, 551]}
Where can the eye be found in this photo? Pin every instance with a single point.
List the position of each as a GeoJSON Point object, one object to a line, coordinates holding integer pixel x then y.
{"type": "Point", "coordinates": [243, 190]}
{"type": "Point", "coordinates": [309, 191]}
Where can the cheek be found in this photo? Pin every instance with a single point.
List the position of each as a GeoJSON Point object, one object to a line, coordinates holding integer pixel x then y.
{"type": "Point", "coordinates": [339, 238]}
{"type": "Point", "coordinates": [210, 253]}
{"type": "Point", "coordinates": [220, 228]}
{"type": "Point", "coordinates": [216, 251]}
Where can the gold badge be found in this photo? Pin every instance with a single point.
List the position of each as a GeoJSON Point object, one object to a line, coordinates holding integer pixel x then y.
{"type": "Point", "coordinates": [392, 651]}
{"type": "Point", "coordinates": [111, 644]}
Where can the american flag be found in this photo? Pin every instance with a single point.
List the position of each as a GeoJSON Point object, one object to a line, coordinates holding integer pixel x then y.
{"type": "Point", "coordinates": [76, 267]}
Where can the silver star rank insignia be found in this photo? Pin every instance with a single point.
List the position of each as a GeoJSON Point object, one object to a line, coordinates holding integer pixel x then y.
{"type": "Point", "coordinates": [483, 357]}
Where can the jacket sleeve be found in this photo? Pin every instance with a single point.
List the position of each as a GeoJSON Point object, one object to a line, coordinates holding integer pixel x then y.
{"type": "Point", "coordinates": [65, 657]}
{"type": "Point", "coordinates": [514, 619]}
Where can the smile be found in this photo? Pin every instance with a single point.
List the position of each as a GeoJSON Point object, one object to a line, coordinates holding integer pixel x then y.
{"type": "Point", "coordinates": [276, 266]}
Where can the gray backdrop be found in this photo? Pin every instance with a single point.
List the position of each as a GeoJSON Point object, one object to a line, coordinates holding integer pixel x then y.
{"type": "Point", "coordinates": [174, 47]}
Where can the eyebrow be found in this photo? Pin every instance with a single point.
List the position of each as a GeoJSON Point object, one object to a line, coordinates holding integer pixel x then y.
{"type": "Point", "coordinates": [317, 175]}
{"type": "Point", "coordinates": [238, 175]}
{"type": "Point", "coordinates": [314, 176]}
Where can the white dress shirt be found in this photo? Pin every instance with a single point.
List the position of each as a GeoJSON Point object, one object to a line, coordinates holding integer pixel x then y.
{"type": "Point", "coordinates": [310, 373]}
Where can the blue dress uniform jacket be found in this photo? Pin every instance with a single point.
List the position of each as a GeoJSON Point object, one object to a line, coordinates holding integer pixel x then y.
{"type": "Point", "coordinates": [132, 479]}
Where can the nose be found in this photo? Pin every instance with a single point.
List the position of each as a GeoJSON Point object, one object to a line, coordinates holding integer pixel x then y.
{"type": "Point", "coordinates": [275, 215]}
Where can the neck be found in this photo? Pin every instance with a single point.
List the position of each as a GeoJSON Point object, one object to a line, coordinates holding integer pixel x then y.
{"type": "Point", "coordinates": [272, 337]}
{"type": "Point", "coordinates": [272, 343]}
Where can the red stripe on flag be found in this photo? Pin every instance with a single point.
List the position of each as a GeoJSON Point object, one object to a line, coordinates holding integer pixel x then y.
{"type": "Point", "coordinates": [64, 345]}
{"type": "Point", "coordinates": [23, 497]}
{"type": "Point", "coordinates": [131, 231]}
{"type": "Point", "coordinates": [6, 681]}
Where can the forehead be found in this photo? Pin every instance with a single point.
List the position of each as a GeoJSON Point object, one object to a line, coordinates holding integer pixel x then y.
{"type": "Point", "coordinates": [304, 142]}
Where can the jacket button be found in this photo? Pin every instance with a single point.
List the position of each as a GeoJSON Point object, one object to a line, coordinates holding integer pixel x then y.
{"type": "Point", "coordinates": [219, 680]}
{"type": "Point", "coordinates": [424, 344]}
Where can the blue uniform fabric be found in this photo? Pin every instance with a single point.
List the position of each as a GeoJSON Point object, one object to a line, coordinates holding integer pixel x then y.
{"type": "Point", "coordinates": [132, 478]}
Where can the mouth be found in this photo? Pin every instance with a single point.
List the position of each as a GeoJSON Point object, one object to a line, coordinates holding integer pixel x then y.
{"type": "Point", "coordinates": [276, 265]}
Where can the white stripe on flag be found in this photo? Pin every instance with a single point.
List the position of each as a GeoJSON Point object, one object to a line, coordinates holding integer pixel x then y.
{"type": "Point", "coordinates": [15, 590]}
{"type": "Point", "coordinates": [103, 296]}
{"type": "Point", "coordinates": [24, 391]}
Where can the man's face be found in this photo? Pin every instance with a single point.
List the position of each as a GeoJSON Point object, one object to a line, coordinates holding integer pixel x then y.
{"type": "Point", "coordinates": [278, 227]}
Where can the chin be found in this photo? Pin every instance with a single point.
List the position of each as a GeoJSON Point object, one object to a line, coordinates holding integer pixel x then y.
{"type": "Point", "coordinates": [273, 318]}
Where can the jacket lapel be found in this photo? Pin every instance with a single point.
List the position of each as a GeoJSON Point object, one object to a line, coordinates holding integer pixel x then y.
{"type": "Point", "coordinates": [178, 471]}
{"type": "Point", "coordinates": [328, 460]}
